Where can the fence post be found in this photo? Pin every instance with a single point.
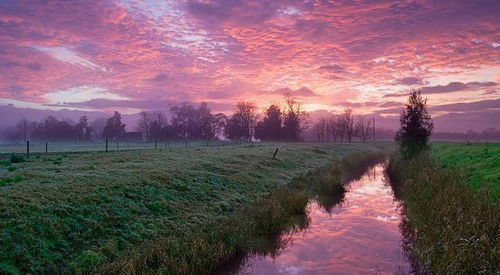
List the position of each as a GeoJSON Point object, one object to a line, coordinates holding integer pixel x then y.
{"type": "Point", "coordinates": [156, 144]}
{"type": "Point", "coordinates": [27, 148]}
{"type": "Point", "coordinates": [46, 148]}
{"type": "Point", "coordinates": [106, 145]}
{"type": "Point", "coordinates": [117, 146]}
{"type": "Point", "coordinates": [186, 143]}
{"type": "Point", "coordinates": [275, 152]}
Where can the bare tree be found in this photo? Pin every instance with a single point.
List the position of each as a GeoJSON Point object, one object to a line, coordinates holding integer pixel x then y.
{"type": "Point", "coordinates": [320, 129]}
{"type": "Point", "coordinates": [23, 129]}
{"type": "Point", "coordinates": [144, 124]}
{"type": "Point", "coordinates": [348, 124]}
{"type": "Point", "coordinates": [151, 124]}
{"type": "Point", "coordinates": [363, 128]}
{"type": "Point", "coordinates": [295, 119]}
{"type": "Point", "coordinates": [331, 128]}
{"type": "Point", "coordinates": [341, 128]}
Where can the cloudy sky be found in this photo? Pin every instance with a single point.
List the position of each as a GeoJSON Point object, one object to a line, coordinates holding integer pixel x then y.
{"type": "Point", "coordinates": [131, 55]}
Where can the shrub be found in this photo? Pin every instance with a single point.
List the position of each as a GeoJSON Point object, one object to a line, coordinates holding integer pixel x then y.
{"type": "Point", "coordinates": [14, 158]}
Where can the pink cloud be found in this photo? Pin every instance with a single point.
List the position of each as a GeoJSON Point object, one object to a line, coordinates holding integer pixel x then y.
{"type": "Point", "coordinates": [224, 50]}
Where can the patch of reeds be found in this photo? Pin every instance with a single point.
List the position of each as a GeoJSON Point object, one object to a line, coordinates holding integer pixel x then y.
{"type": "Point", "coordinates": [456, 230]}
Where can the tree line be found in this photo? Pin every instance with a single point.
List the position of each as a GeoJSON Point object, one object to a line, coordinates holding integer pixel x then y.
{"type": "Point", "coordinates": [343, 127]}
{"type": "Point", "coordinates": [185, 121]}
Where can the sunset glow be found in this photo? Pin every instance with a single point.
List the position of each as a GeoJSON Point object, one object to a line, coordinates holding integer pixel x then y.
{"type": "Point", "coordinates": [133, 55]}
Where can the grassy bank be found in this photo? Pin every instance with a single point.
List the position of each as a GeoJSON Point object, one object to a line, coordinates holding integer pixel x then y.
{"type": "Point", "coordinates": [456, 228]}
{"type": "Point", "coordinates": [150, 210]}
{"type": "Point", "coordinates": [479, 162]}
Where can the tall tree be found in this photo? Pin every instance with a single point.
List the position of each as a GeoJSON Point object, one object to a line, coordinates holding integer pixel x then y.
{"type": "Point", "coordinates": [151, 125]}
{"type": "Point", "coordinates": [82, 129]}
{"type": "Point", "coordinates": [270, 126]}
{"type": "Point", "coordinates": [205, 122]}
{"type": "Point", "coordinates": [23, 129]}
{"type": "Point", "coordinates": [295, 119]}
{"type": "Point", "coordinates": [416, 125]}
{"type": "Point", "coordinates": [240, 125]}
{"type": "Point", "coordinates": [185, 121]}
{"type": "Point", "coordinates": [331, 128]}
{"type": "Point", "coordinates": [320, 129]}
{"type": "Point", "coordinates": [348, 124]}
{"type": "Point", "coordinates": [218, 125]}
{"type": "Point", "coordinates": [363, 128]}
{"type": "Point", "coordinates": [114, 128]}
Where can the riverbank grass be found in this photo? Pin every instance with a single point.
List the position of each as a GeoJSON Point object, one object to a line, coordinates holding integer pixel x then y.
{"type": "Point", "coordinates": [148, 210]}
{"type": "Point", "coordinates": [455, 226]}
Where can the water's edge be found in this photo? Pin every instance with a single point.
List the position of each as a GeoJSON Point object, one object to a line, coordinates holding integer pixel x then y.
{"type": "Point", "coordinates": [344, 230]}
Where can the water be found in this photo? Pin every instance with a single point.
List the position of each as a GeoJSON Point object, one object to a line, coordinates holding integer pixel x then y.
{"type": "Point", "coordinates": [358, 235]}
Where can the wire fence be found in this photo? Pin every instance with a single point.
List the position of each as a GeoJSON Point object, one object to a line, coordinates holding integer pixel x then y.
{"type": "Point", "coordinates": [37, 147]}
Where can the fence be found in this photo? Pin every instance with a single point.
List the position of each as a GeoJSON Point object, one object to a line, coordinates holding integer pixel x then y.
{"type": "Point", "coordinates": [38, 147]}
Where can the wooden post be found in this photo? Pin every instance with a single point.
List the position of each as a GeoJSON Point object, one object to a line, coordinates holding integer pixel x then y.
{"type": "Point", "coordinates": [186, 143]}
{"type": "Point", "coordinates": [275, 152]}
{"type": "Point", "coordinates": [106, 145]}
{"type": "Point", "coordinates": [46, 148]}
{"type": "Point", "coordinates": [27, 148]}
{"type": "Point", "coordinates": [117, 146]}
{"type": "Point", "coordinates": [156, 144]}
{"type": "Point", "coordinates": [373, 128]}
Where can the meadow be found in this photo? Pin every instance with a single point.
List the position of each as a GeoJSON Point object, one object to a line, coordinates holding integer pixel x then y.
{"type": "Point", "coordinates": [479, 162]}
{"type": "Point", "coordinates": [177, 209]}
{"type": "Point", "coordinates": [100, 146]}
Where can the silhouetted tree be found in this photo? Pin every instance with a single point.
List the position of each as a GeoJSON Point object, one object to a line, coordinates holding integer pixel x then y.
{"type": "Point", "coordinates": [97, 125]}
{"type": "Point", "coordinates": [295, 119]}
{"type": "Point", "coordinates": [321, 129]}
{"type": "Point", "coordinates": [416, 125]}
{"type": "Point", "coordinates": [151, 125]}
{"type": "Point", "coordinates": [240, 125]}
{"type": "Point", "coordinates": [218, 125]}
{"type": "Point", "coordinates": [82, 129]}
{"type": "Point", "coordinates": [363, 128]}
{"type": "Point", "coordinates": [114, 128]}
{"type": "Point", "coordinates": [185, 121]}
{"type": "Point", "coordinates": [205, 122]}
{"type": "Point", "coordinates": [270, 127]}
{"type": "Point", "coordinates": [347, 121]}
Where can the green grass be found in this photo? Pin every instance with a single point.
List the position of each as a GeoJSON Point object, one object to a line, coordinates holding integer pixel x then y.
{"type": "Point", "coordinates": [456, 228]}
{"type": "Point", "coordinates": [85, 212]}
{"type": "Point", "coordinates": [480, 163]}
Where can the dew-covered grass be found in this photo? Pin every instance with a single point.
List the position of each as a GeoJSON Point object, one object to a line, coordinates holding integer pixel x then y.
{"type": "Point", "coordinates": [87, 212]}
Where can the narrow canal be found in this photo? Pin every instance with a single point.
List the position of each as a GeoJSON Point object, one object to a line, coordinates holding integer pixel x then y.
{"type": "Point", "coordinates": [358, 233]}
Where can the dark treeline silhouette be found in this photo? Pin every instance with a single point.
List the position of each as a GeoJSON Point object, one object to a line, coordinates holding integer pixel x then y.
{"type": "Point", "coordinates": [189, 122]}
{"type": "Point", "coordinates": [287, 125]}
{"type": "Point", "coordinates": [343, 127]}
{"type": "Point", "coordinates": [50, 128]}
{"type": "Point", "coordinates": [186, 123]}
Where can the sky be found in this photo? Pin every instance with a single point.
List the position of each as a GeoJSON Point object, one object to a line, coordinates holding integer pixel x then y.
{"type": "Point", "coordinates": [97, 56]}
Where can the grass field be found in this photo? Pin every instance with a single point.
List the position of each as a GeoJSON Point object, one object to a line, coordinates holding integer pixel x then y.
{"type": "Point", "coordinates": [480, 162]}
{"type": "Point", "coordinates": [100, 146]}
{"type": "Point", "coordinates": [77, 211]}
